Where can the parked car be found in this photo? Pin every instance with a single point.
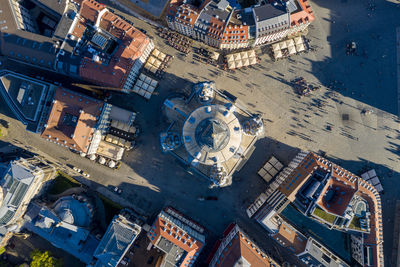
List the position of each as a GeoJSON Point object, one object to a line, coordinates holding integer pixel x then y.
{"type": "Point", "coordinates": [77, 169]}
{"type": "Point", "coordinates": [117, 190]}
{"type": "Point", "coordinates": [85, 174]}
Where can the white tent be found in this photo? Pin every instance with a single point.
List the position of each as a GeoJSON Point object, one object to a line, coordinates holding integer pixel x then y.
{"type": "Point", "coordinates": [139, 83]}
{"type": "Point", "coordinates": [275, 47]}
{"type": "Point", "coordinates": [102, 160]}
{"type": "Point", "coordinates": [148, 79]}
{"type": "Point", "coordinates": [251, 53]}
{"type": "Point", "coordinates": [300, 47]}
{"type": "Point", "coordinates": [154, 83]}
{"type": "Point", "coordinates": [253, 61]}
{"type": "Point", "coordinates": [92, 157]}
{"type": "Point", "coordinates": [156, 52]}
{"type": "Point", "coordinates": [142, 76]}
{"type": "Point", "coordinates": [246, 62]}
{"type": "Point", "coordinates": [283, 45]}
{"type": "Point", "coordinates": [161, 56]}
{"type": "Point", "coordinates": [111, 164]}
{"type": "Point", "coordinates": [278, 54]}
{"type": "Point", "coordinates": [231, 65]}
{"type": "Point", "coordinates": [289, 42]}
{"type": "Point", "coordinates": [151, 60]}
{"type": "Point", "coordinates": [153, 69]}
{"type": "Point", "coordinates": [230, 58]}
{"type": "Point", "coordinates": [239, 64]}
{"type": "Point", "coordinates": [292, 50]}
{"type": "Point", "coordinates": [215, 55]}
{"type": "Point", "coordinates": [157, 63]}
{"type": "Point", "coordinates": [237, 56]}
{"type": "Point", "coordinates": [298, 40]}
{"type": "Point", "coordinates": [244, 55]}
{"type": "Point", "coordinates": [145, 86]}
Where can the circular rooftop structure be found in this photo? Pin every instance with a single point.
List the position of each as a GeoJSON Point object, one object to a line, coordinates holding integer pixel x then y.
{"type": "Point", "coordinates": [212, 134]}
{"type": "Point", "coordinates": [73, 211]}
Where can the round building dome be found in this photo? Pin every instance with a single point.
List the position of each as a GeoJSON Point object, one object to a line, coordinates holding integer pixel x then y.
{"type": "Point", "coordinates": [212, 134]}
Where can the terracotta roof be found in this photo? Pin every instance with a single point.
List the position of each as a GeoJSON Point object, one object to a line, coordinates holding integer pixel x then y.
{"type": "Point", "coordinates": [240, 247]}
{"type": "Point", "coordinates": [133, 44]}
{"type": "Point", "coordinates": [177, 236]}
{"type": "Point", "coordinates": [216, 28]}
{"type": "Point", "coordinates": [340, 195]}
{"type": "Point", "coordinates": [341, 181]}
{"type": "Point", "coordinates": [304, 14]}
{"type": "Point", "coordinates": [290, 238]}
{"type": "Point", "coordinates": [187, 14]}
{"type": "Point", "coordinates": [72, 119]}
{"type": "Point", "coordinates": [236, 33]}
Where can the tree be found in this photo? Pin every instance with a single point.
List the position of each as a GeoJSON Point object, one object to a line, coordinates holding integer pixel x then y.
{"type": "Point", "coordinates": [44, 259]}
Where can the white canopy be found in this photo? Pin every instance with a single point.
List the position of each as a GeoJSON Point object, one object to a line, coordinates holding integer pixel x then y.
{"type": "Point", "coordinates": [246, 62]}
{"type": "Point", "coordinates": [230, 58]}
{"type": "Point", "coordinates": [102, 160]}
{"type": "Point", "coordinates": [237, 56]}
{"type": "Point", "coordinates": [283, 45]}
{"type": "Point", "coordinates": [244, 55]}
{"type": "Point", "coordinates": [156, 52]}
{"type": "Point", "coordinates": [239, 64]}
{"type": "Point", "coordinates": [278, 54]}
{"type": "Point", "coordinates": [298, 40]}
{"type": "Point", "coordinates": [300, 47]}
{"type": "Point", "coordinates": [252, 53]}
{"type": "Point", "coordinates": [275, 47]}
{"type": "Point", "coordinates": [292, 50]}
{"type": "Point", "coordinates": [289, 42]}
{"type": "Point", "coordinates": [152, 59]}
{"type": "Point", "coordinates": [231, 65]}
{"type": "Point", "coordinates": [215, 55]}
{"type": "Point", "coordinates": [253, 61]}
{"type": "Point", "coordinates": [111, 164]}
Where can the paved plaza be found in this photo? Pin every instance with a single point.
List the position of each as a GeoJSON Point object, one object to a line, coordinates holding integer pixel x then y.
{"type": "Point", "coordinates": [356, 141]}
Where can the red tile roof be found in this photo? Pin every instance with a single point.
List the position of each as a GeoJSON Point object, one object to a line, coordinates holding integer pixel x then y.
{"type": "Point", "coordinates": [187, 14]}
{"type": "Point", "coordinates": [172, 233]}
{"type": "Point", "coordinates": [305, 13]}
{"type": "Point", "coordinates": [133, 44]}
{"type": "Point", "coordinates": [240, 247]}
{"type": "Point", "coordinates": [236, 33]}
{"type": "Point", "coordinates": [86, 111]}
{"type": "Point", "coordinates": [343, 181]}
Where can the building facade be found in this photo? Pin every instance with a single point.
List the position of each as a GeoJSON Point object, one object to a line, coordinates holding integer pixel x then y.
{"type": "Point", "coordinates": [21, 181]}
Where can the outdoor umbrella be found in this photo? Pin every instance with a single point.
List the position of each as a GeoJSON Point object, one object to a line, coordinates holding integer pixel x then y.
{"type": "Point", "coordinates": [151, 60]}
{"type": "Point", "coordinates": [156, 52]}
{"type": "Point", "coordinates": [298, 40]}
{"type": "Point", "coordinates": [300, 47]}
{"type": "Point", "coordinates": [237, 56]}
{"type": "Point", "coordinates": [275, 47]}
{"type": "Point", "coordinates": [102, 160]}
{"type": "Point", "coordinates": [253, 61]}
{"type": "Point", "coordinates": [278, 54]}
{"type": "Point", "coordinates": [251, 53]}
{"type": "Point", "coordinates": [289, 42]}
{"type": "Point", "coordinates": [292, 50]}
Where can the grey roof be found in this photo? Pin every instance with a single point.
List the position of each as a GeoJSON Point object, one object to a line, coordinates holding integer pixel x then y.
{"type": "Point", "coordinates": [212, 10]}
{"type": "Point", "coordinates": [55, 7]}
{"type": "Point", "coordinates": [15, 183]}
{"type": "Point", "coordinates": [118, 237]}
{"type": "Point", "coordinates": [269, 11]}
{"type": "Point", "coordinates": [270, 17]}
{"type": "Point", "coordinates": [314, 256]}
{"type": "Point", "coordinates": [31, 47]}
